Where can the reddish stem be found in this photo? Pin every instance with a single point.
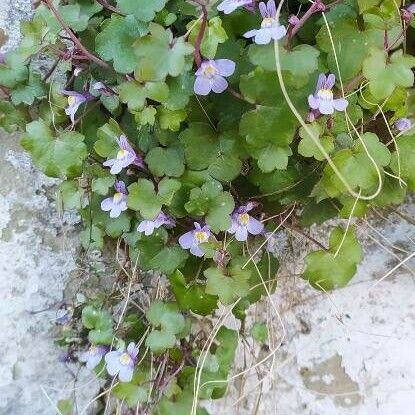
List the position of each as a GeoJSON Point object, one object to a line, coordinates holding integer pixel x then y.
{"type": "Point", "coordinates": [317, 6]}
{"type": "Point", "coordinates": [106, 5]}
{"type": "Point", "coordinates": [75, 40]}
{"type": "Point", "coordinates": [200, 35]}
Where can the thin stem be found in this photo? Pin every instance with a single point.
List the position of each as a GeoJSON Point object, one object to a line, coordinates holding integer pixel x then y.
{"type": "Point", "coordinates": [75, 40]}
{"type": "Point", "coordinates": [317, 6]}
{"type": "Point", "coordinates": [200, 35]}
{"type": "Point", "coordinates": [106, 5]}
{"type": "Point", "coordinates": [309, 237]}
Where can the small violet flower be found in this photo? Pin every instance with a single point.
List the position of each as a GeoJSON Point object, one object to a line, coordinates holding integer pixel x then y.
{"type": "Point", "coordinates": [148, 226]}
{"type": "Point", "coordinates": [229, 6]}
{"type": "Point", "coordinates": [75, 100]}
{"type": "Point", "coordinates": [93, 356]}
{"type": "Point", "coordinates": [211, 76]}
{"type": "Point", "coordinates": [126, 156]}
{"type": "Point", "coordinates": [411, 8]}
{"type": "Point", "coordinates": [242, 223]}
{"type": "Point", "coordinates": [403, 124]}
{"type": "Point", "coordinates": [270, 26]}
{"type": "Point", "coordinates": [191, 240]}
{"type": "Point", "coordinates": [121, 362]}
{"type": "Point", "coordinates": [117, 203]}
{"type": "Point", "coordinates": [323, 99]}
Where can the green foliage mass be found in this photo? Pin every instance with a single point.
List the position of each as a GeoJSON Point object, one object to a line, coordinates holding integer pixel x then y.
{"type": "Point", "coordinates": [200, 158]}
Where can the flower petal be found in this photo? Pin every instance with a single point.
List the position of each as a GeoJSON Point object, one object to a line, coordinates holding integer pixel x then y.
{"type": "Point", "coordinates": [115, 211]}
{"type": "Point", "coordinates": [263, 36]}
{"type": "Point", "coordinates": [107, 204]}
{"type": "Point", "coordinates": [326, 107]}
{"type": "Point", "coordinates": [187, 240]}
{"type": "Point", "coordinates": [241, 233]}
{"type": "Point", "coordinates": [331, 80]}
{"type": "Point", "coordinates": [250, 33]}
{"type": "Point", "coordinates": [263, 9]}
{"type": "Point", "coordinates": [126, 373]}
{"type": "Point", "coordinates": [313, 102]}
{"type": "Point", "coordinates": [219, 84]}
{"type": "Point", "coordinates": [272, 10]}
{"type": "Point", "coordinates": [226, 67]}
{"type": "Point", "coordinates": [255, 227]}
{"type": "Point", "coordinates": [278, 33]}
{"type": "Point", "coordinates": [202, 86]}
{"type": "Point", "coordinates": [320, 82]}
{"type": "Point", "coordinates": [196, 251]}
{"type": "Point", "coordinates": [340, 104]}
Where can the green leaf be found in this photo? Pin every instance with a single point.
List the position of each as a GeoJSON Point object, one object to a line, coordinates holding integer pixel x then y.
{"type": "Point", "coordinates": [165, 161]}
{"type": "Point", "coordinates": [171, 120]}
{"type": "Point", "coordinates": [130, 393]}
{"type": "Point", "coordinates": [169, 259]}
{"type": "Point", "coordinates": [115, 42]}
{"type": "Point", "coordinates": [192, 296]}
{"type": "Point", "coordinates": [318, 213]}
{"type": "Point", "coordinates": [60, 156]}
{"type": "Point", "coordinates": [160, 55]}
{"type": "Point", "coordinates": [71, 194]}
{"type": "Point", "coordinates": [308, 148]}
{"type": "Point", "coordinates": [326, 270]}
{"type": "Point", "coordinates": [160, 340]}
{"type": "Point", "coordinates": [135, 94]}
{"type": "Point", "coordinates": [213, 36]}
{"type": "Point", "coordinates": [181, 88]}
{"type": "Point", "coordinates": [259, 332]}
{"type": "Point", "coordinates": [99, 322]}
{"type": "Point", "coordinates": [107, 135]}
{"type": "Point", "coordinates": [143, 10]}
{"type": "Point", "coordinates": [406, 165]}
{"type": "Point", "coordinates": [27, 93]}
{"type": "Point", "coordinates": [384, 77]}
{"type": "Point", "coordinates": [273, 157]}
{"type": "Point", "coordinates": [227, 288]}
{"type": "Point", "coordinates": [200, 145]}
{"type": "Point", "coordinates": [143, 197]}
{"type": "Point", "coordinates": [212, 201]}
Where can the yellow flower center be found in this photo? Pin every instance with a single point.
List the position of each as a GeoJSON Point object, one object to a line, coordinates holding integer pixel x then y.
{"type": "Point", "coordinates": [121, 154]}
{"type": "Point", "coordinates": [71, 100]}
{"type": "Point", "coordinates": [209, 71]}
{"type": "Point", "coordinates": [117, 196]}
{"type": "Point", "coordinates": [267, 22]}
{"type": "Point", "coordinates": [125, 359]}
{"type": "Point", "coordinates": [93, 349]}
{"type": "Point", "coordinates": [244, 219]}
{"type": "Point", "coordinates": [325, 94]}
{"type": "Point", "coordinates": [201, 237]}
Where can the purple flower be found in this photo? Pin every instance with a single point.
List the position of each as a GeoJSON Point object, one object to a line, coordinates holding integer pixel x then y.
{"type": "Point", "coordinates": [242, 223]}
{"type": "Point", "coordinates": [270, 26]}
{"type": "Point", "coordinates": [93, 356]}
{"type": "Point", "coordinates": [411, 8]}
{"type": "Point", "coordinates": [191, 240]}
{"type": "Point", "coordinates": [403, 124]}
{"type": "Point", "coordinates": [125, 157]}
{"type": "Point", "coordinates": [121, 362]}
{"type": "Point", "coordinates": [148, 226]}
{"type": "Point", "coordinates": [293, 20]}
{"type": "Point", "coordinates": [75, 100]}
{"type": "Point", "coordinates": [323, 98]}
{"type": "Point", "coordinates": [229, 6]}
{"type": "Point", "coordinates": [117, 203]}
{"type": "Point", "coordinates": [210, 76]}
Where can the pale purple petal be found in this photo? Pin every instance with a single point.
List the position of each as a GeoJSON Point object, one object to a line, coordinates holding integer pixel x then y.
{"type": "Point", "coordinates": [108, 163]}
{"type": "Point", "coordinates": [241, 233]}
{"type": "Point", "coordinates": [225, 67]}
{"type": "Point", "coordinates": [124, 144]}
{"type": "Point", "coordinates": [119, 186]}
{"type": "Point", "coordinates": [132, 350]}
{"type": "Point", "coordinates": [263, 36]}
{"type": "Point", "coordinates": [234, 226]}
{"type": "Point", "coordinates": [411, 8]}
{"type": "Point", "coordinates": [196, 250]}
{"type": "Point", "coordinates": [126, 373]}
{"type": "Point", "coordinates": [202, 86]}
{"type": "Point", "coordinates": [112, 359]}
{"type": "Point", "coordinates": [263, 9]}
{"type": "Point", "coordinates": [272, 10]}
{"type": "Point", "coordinates": [117, 166]}
{"type": "Point", "coordinates": [403, 124]}
{"type": "Point", "coordinates": [320, 82]}
{"type": "Point", "coordinates": [228, 6]}
{"type": "Point", "coordinates": [107, 204]}
{"type": "Point", "coordinates": [255, 227]}
{"type": "Point", "coordinates": [329, 84]}
{"type": "Point", "coordinates": [313, 102]}
{"type": "Point", "coordinates": [219, 84]}
{"type": "Point", "coordinates": [115, 211]}
{"type": "Point", "coordinates": [146, 226]}
{"type": "Point", "coordinates": [93, 361]}
{"type": "Point", "coordinates": [250, 33]}
{"type": "Point", "coordinates": [187, 240]}
{"type": "Point", "coordinates": [326, 107]}
{"type": "Point", "coordinates": [278, 33]}
{"type": "Point", "coordinates": [340, 104]}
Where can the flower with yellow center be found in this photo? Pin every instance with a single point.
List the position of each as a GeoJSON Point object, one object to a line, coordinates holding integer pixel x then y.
{"type": "Point", "coordinates": [243, 219]}
{"type": "Point", "coordinates": [118, 196]}
{"type": "Point", "coordinates": [209, 71]}
{"type": "Point", "coordinates": [268, 22]}
{"type": "Point", "coordinates": [325, 94]}
{"type": "Point", "coordinates": [201, 237]}
{"type": "Point", "coordinates": [71, 100]}
{"type": "Point", "coordinates": [125, 359]}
